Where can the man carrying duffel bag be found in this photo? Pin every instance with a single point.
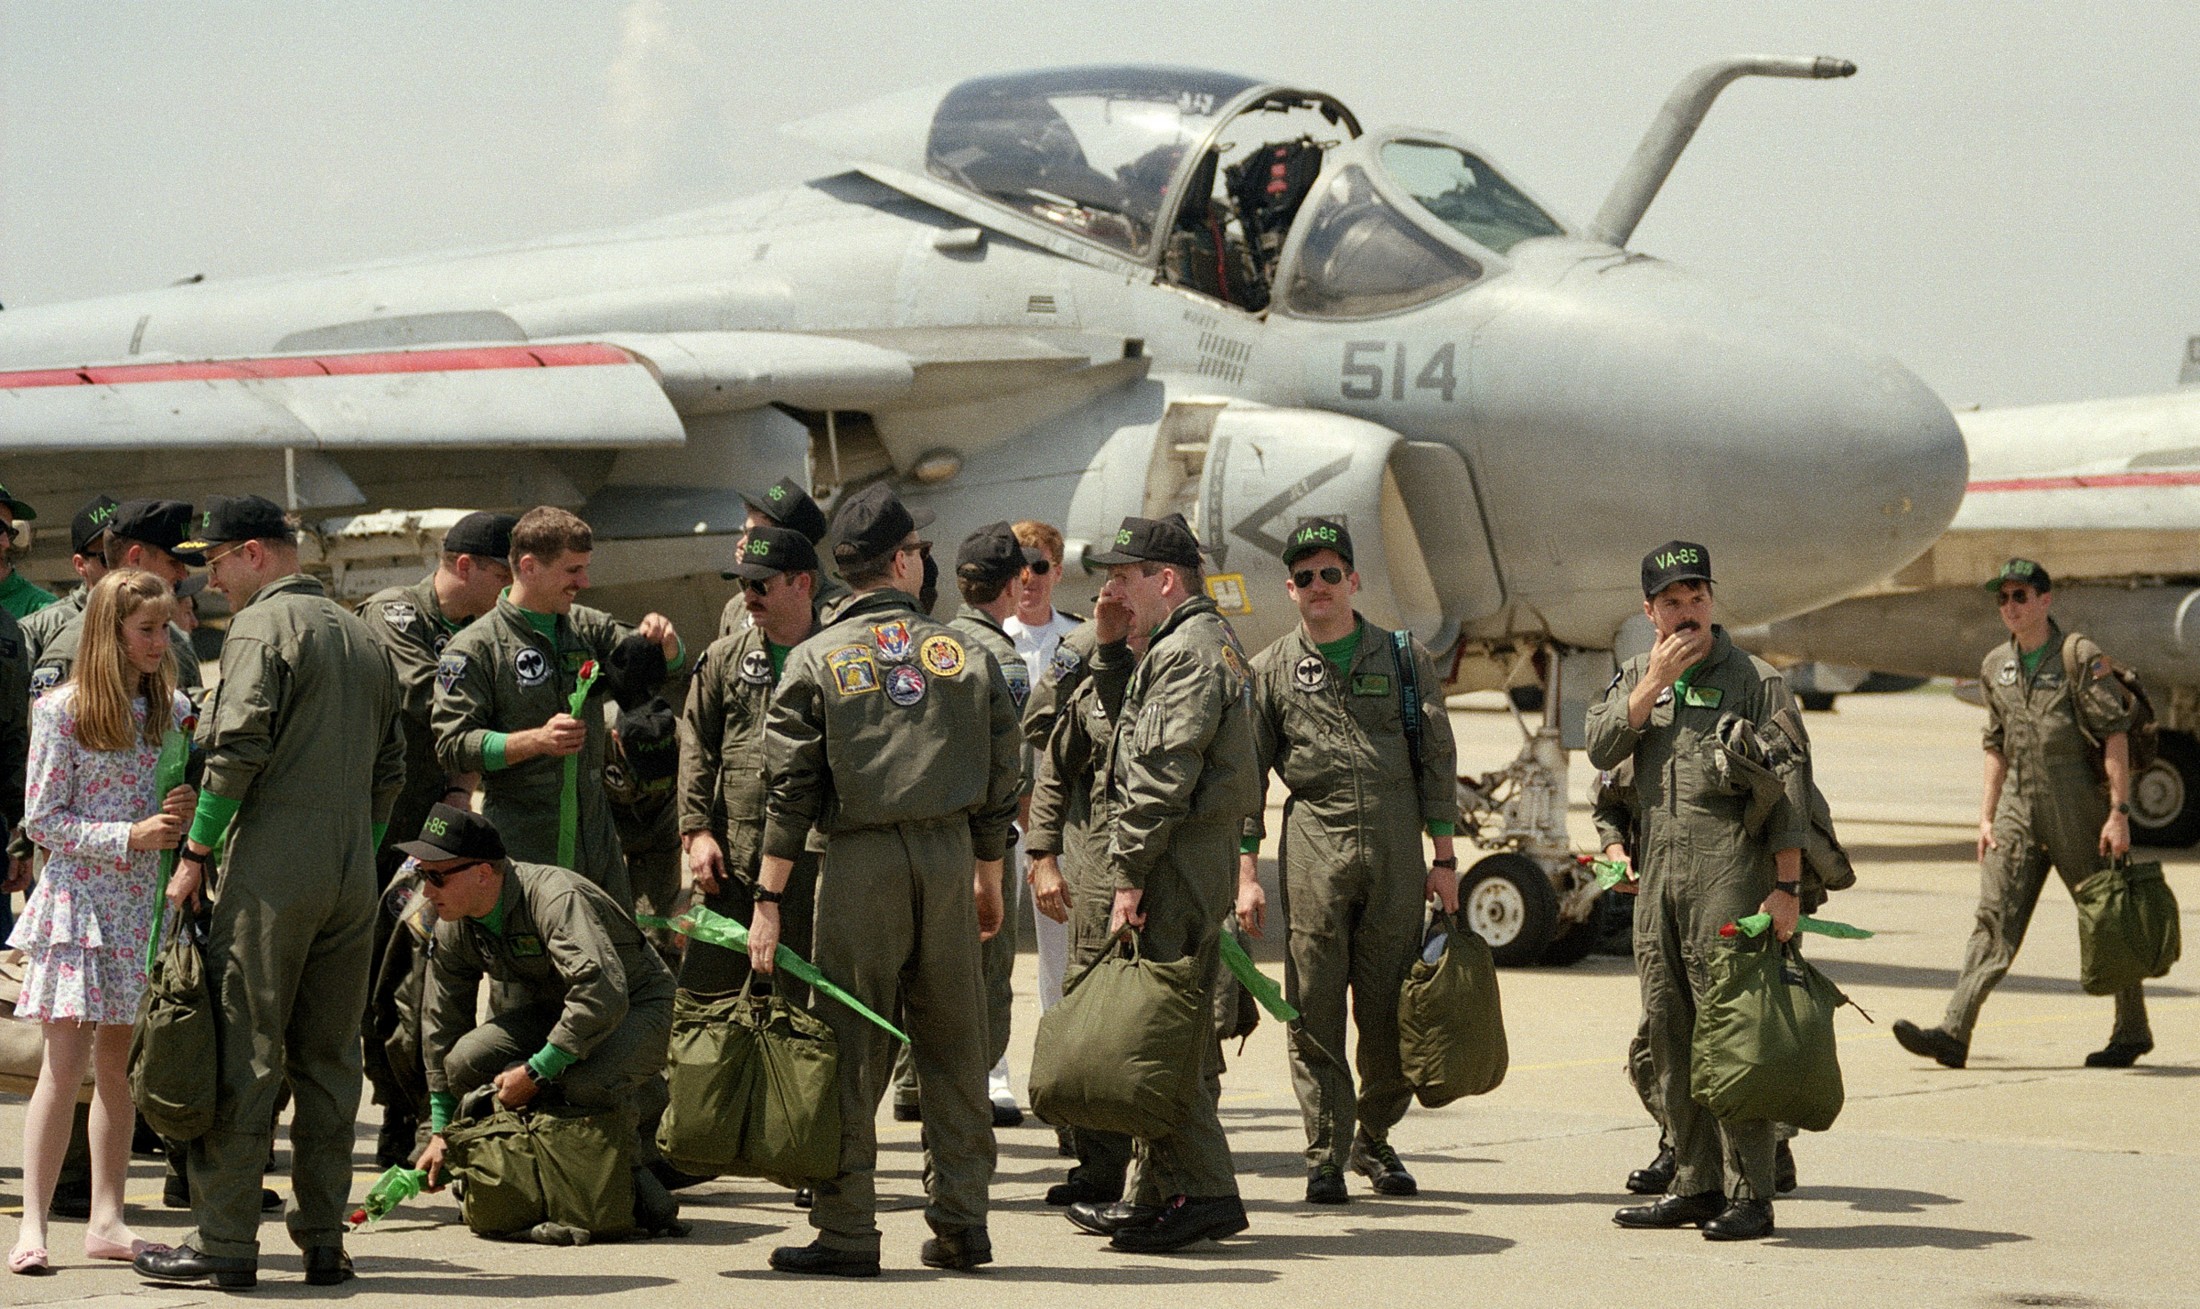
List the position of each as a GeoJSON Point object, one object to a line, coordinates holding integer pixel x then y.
{"type": "Point", "coordinates": [592, 1034]}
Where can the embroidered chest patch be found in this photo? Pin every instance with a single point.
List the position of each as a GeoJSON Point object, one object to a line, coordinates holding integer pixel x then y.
{"type": "Point", "coordinates": [525, 946]}
{"type": "Point", "coordinates": [894, 642]}
{"type": "Point", "coordinates": [904, 685]}
{"type": "Point", "coordinates": [756, 668]}
{"type": "Point", "coordinates": [530, 668]}
{"type": "Point", "coordinates": [1310, 673]}
{"type": "Point", "coordinates": [1371, 684]}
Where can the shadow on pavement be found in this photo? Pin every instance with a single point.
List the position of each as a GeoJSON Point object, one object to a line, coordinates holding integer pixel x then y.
{"type": "Point", "coordinates": [1889, 1236]}
{"type": "Point", "coordinates": [1368, 1243]}
{"type": "Point", "coordinates": [1874, 1199]}
{"type": "Point", "coordinates": [1853, 972]}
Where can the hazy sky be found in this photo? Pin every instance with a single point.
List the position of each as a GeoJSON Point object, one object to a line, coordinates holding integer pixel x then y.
{"type": "Point", "coordinates": [2003, 197]}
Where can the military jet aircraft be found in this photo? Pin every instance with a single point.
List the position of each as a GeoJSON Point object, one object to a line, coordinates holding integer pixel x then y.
{"type": "Point", "coordinates": [2105, 494]}
{"type": "Point", "coordinates": [1077, 294]}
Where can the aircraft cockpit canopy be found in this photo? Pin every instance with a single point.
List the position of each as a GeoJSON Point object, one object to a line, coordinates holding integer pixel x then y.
{"type": "Point", "coordinates": [1093, 150]}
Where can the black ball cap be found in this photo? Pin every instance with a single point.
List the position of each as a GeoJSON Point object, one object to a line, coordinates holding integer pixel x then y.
{"type": "Point", "coordinates": [993, 554]}
{"type": "Point", "coordinates": [90, 524]}
{"type": "Point", "coordinates": [15, 508]}
{"type": "Point", "coordinates": [2023, 571]}
{"type": "Point", "coordinates": [873, 521]}
{"type": "Point", "coordinates": [485, 534]}
{"type": "Point", "coordinates": [1320, 534]}
{"type": "Point", "coordinates": [770, 551]}
{"type": "Point", "coordinates": [165, 523]}
{"type": "Point", "coordinates": [240, 518]}
{"type": "Point", "coordinates": [1675, 561]}
{"type": "Point", "coordinates": [1153, 540]}
{"type": "Point", "coordinates": [453, 833]}
{"type": "Point", "coordinates": [787, 504]}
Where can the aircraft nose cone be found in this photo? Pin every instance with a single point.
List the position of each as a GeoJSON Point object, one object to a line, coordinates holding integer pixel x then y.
{"type": "Point", "coordinates": [1809, 465]}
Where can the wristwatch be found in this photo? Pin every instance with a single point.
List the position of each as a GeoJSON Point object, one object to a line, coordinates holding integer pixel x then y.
{"type": "Point", "coordinates": [1792, 888]}
{"type": "Point", "coordinates": [763, 896]}
{"type": "Point", "coordinates": [1452, 864]}
{"type": "Point", "coordinates": [2123, 808]}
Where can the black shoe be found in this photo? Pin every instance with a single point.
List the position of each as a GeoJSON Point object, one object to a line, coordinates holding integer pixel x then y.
{"type": "Point", "coordinates": [328, 1265]}
{"type": "Point", "coordinates": [1325, 1185]}
{"type": "Point", "coordinates": [72, 1200]}
{"type": "Point", "coordinates": [674, 1179]}
{"type": "Point", "coordinates": [1932, 1043]}
{"type": "Point", "coordinates": [1783, 1169]}
{"type": "Point", "coordinates": [1379, 1164]}
{"type": "Point", "coordinates": [1083, 1190]}
{"type": "Point", "coordinates": [1673, 1211]}
{"type": "Point", "coordinates": [958, 1251]}
{"type": "Point", "coordinates": [1652, 1178]}
{"type": "Point", "coordinates": [1744, 1220]}
{"type": "Point", "coordinates": [1108, 1219]}
{"type": "Point", "coordinates": [908, 1113]}
{"type": "Point", "coordinates": [2118, 1054]}
{"type": "Point", "coordinates": [1007, 1115]}
{"type": "Point", "coordinates": [393, 1145]}
{"type": "Point", "coordinates": [184, 1264]}
{"type": "Point", "coordinates": [1185, 1220]}
{"type": "Point", "coordinates": [804, 1197]}
{"type": "Point", "coordinates": [145, 1143]}
{"type": "Point", "coordinates": [822, 1260]}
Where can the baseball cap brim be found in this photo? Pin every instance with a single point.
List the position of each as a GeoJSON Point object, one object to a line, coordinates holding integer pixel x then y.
{"type": "Point", "coordinates": [17, 509]}
{"type": "Point", "coordinates": [751, 572]}
{"type": "Point", "coordinates": [428, 852]}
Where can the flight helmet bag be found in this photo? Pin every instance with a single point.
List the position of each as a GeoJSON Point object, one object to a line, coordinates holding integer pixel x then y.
{"type": "Point", "coordinates": [1451, 1022]}
{"type": "Point", "coordinates": [1121, 1052]}
{"type": "Point", "coordinates": [2127, 927]}
{"type": "Point", "coordinates": [1764, 1046]}
{"type": "Point", "coordinates": [517, 1169]}
{"type": "Point", "coordinates": [173, 1059]}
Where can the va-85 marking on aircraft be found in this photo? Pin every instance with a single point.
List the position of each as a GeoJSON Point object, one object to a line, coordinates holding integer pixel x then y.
{"type": "Point", "coordinates": [1370, 367]}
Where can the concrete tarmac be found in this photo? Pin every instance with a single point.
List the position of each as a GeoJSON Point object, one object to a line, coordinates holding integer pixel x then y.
{"type": "Point", "coordinates": [2025, 1179]}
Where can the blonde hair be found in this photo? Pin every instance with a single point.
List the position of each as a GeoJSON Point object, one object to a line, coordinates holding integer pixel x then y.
{"type": "Point", "coordinates": [105, 683]}
{"type": "Point", "coordinates": [1040, 536]}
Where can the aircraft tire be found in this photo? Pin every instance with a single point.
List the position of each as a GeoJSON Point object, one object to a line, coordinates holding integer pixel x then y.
{"type": "Point", "coordinates": [1508, 899]}
{"type": "Point", "coordinates": [2165, 798]}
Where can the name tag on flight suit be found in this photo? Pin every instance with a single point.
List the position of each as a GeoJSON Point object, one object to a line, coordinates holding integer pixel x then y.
{"type": "Point", "coordinates": [1371, 684]}
{"type": "Point", "coordinates": [526, 947]}
{"type": "Point", "coordinates": [1703, 697]}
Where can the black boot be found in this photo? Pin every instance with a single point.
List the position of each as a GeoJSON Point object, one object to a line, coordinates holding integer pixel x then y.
{"type": "Point", "coordinates": [393, 1145]}
{"type": "Point", "coordinates": [1652, 1178]}
{"type": "Point", "coordinates": [1783, 1169]}
{"type": "Point", "coordinates": [2118, 1054]}
{"type": "Point", "coordinates": [184, 1264]}
{"type": "Point", "coordinates": [328, 1265]}
{"type": "Point", "coordinates": [1108, 1219]}
{"type": "Point", "coordinates": [1187, 1219]}
{"type": "Point", "coordinates": [958, 1251]}
{"type": "Point", "coordinates": [1933, 1043]}
{"type": "Point", "coordinates": [1744, 1220]}
{"type": "Point", "coordinates": [1673, 1211]}
{"type": "Point", "coordinates": [817, 1259]}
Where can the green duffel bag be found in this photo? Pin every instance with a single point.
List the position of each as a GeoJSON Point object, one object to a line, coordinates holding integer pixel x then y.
{"type": "Point", "coordinates": [174, 1060]}
{"type": "Point", "coordinates": [792, 1129]}
{"type": "Point", "coordinates": [1121, 1052]}
{"type": "Point", "coordinates": [518, 1169]}
{"type": "Point", "coordinates": [1451, 1022]}
{"type": "Point", "coordinates": [2127, 927]}
{"type": "Point", "coordinates": [1763, 1046]}
{"type": "Point", "coordinates": [710, 1076]}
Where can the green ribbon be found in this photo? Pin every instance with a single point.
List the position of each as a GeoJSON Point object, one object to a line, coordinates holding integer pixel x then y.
{"type": "Point", "coordinates": [175, 755]}
{"type": "Point", "coordinates": [569, 799]}
{"type": "Point", "coordinates": [1756, 924]}
{"type": "Point", "coordinates": [1262, 987]}
{"type": "Point", "coordinates": [390, 1190]}
{"type": "Point", "coordinates": [1610, 872]}
{"type": "Point", "coordinates": [717, 929]}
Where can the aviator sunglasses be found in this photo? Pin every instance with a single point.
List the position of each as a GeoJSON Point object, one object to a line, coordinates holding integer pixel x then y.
{"type": "Point", "coordinates": [2016, 597]}
{"type": "Point", "coordinates": [1304, 578]}
{"type": "Point", "coordinates": [437, 879]}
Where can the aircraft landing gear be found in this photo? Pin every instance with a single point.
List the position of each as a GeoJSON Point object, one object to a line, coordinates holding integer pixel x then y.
{"type": "Point", "coordinates": [1530, 899]}
{"type": "Point", "coordinates": [2165, 796]}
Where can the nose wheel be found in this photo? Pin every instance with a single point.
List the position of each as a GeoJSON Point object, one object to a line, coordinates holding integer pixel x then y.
{"type": "Point", "coordinates": [1508, 901]}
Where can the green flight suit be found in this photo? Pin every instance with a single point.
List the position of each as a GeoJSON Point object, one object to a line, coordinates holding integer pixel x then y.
{"type": "Point", "coordinates": [302, 731]}
{"type": "Point", "coordinates": [2053, 804]}
{"type": "Point", "coordinates": [20, 597]}
{"type": "Point", "coordinates": [1179, 781]}
{"type": "Point", "coordinates": [57, 655]}
{"type": "Point", "coordinates": [720, 790]}
{"type": "Point", "coordinates": [1700, 868]}
{"type": "Point", "coordinates": [830, 594]}
{"type": "Point", "coordinates": [500, 675]}
{"type": "Point", "coordinates": [1069, 718]}
{"type": "Point", "coordinates": [595, 989]}
{"type": "Point", "coordinates": [15, 745]}
{"type": "Point", "coordinates": [1612, 809]}
{"type": "Point", "coordinates": [900, 744]}
{"type": "Point", "coordinates": [1351, 868]}
{"type": "Point", "coordinates": [41, 626]}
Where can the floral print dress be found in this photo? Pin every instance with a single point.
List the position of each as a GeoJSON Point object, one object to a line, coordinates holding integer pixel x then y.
{"type": "Point", "coordinates": [88, 921]}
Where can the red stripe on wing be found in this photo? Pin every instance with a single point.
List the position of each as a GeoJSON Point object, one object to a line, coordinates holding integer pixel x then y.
{"type": "Point", "coordinates": [467, 359]}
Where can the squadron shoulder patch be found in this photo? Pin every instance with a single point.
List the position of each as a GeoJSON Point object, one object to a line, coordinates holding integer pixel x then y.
{"type": "Point", "coordinates": [448, 670]}
{"type": "Point", "coordinates": [1018, 678]}
{"type": "Point", "coordinates": [1310, 673]}
{"type": "Point", "coordinates": [400, 614]}
{"type": "Point", "coordinates": [904, 685]}
{"type": "Point", "coordinates": [1235, 662]}
{"type": "Point", "coordinates": [1065, 662]}
{"type": "Point", "coordinates": [854, 671]}
{"type": "Point", "coordinates": [530, 668]}
{"type": "Point", "coordinates": [45, 678]}
{"type": "Point", "coordinates": [756, 668]}
{"type": "Point", "coordinates": [894, 641]}
{"type": "Point", "coordinates": [944, 655]}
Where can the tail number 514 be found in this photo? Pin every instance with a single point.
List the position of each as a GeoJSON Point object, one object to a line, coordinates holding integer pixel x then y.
{"type": "Point", "coordinates": [1370, 366]}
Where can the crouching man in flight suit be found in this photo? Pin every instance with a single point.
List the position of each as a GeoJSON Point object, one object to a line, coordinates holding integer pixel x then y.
{"type": "Point", "coordinates": [596, 1031]}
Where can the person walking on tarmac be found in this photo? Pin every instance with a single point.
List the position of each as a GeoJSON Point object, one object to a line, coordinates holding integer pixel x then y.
{"type": "Point", "coordinates": [2058, 792]}
{"type": "Point", "coordinates": [304, 756]}
{"type": "Point", "coordinates": [1177, 785]}
{"type": "Point", "coordinates": [1700, 867]}
{"type": "Point", "coordinates": [414, 624]}
{"type": "Point", "coordinates": [587, 1005]}
{"type": "Point", "coordinates": [900, 744]}
{"type": "Point", "coordinates": [506, 688]}
{"type": "Point", "coordinates": [1329, 715]}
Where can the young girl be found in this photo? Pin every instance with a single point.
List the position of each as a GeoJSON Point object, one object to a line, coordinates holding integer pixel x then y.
{"type": "Point", "coordinates": [95, 741]}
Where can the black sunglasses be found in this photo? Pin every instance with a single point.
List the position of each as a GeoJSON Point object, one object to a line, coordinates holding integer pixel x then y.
{"type": "Point", "coordinates": [437, 879]}
{"type": "Point", "coordinates": [1040, 567]}
{"type": "Point", "coordinates": [2016, 597]}
{"type": "Point", "coordinates": [1305, 576]}
{"type": "Point", "coordinates": [758, 585]}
